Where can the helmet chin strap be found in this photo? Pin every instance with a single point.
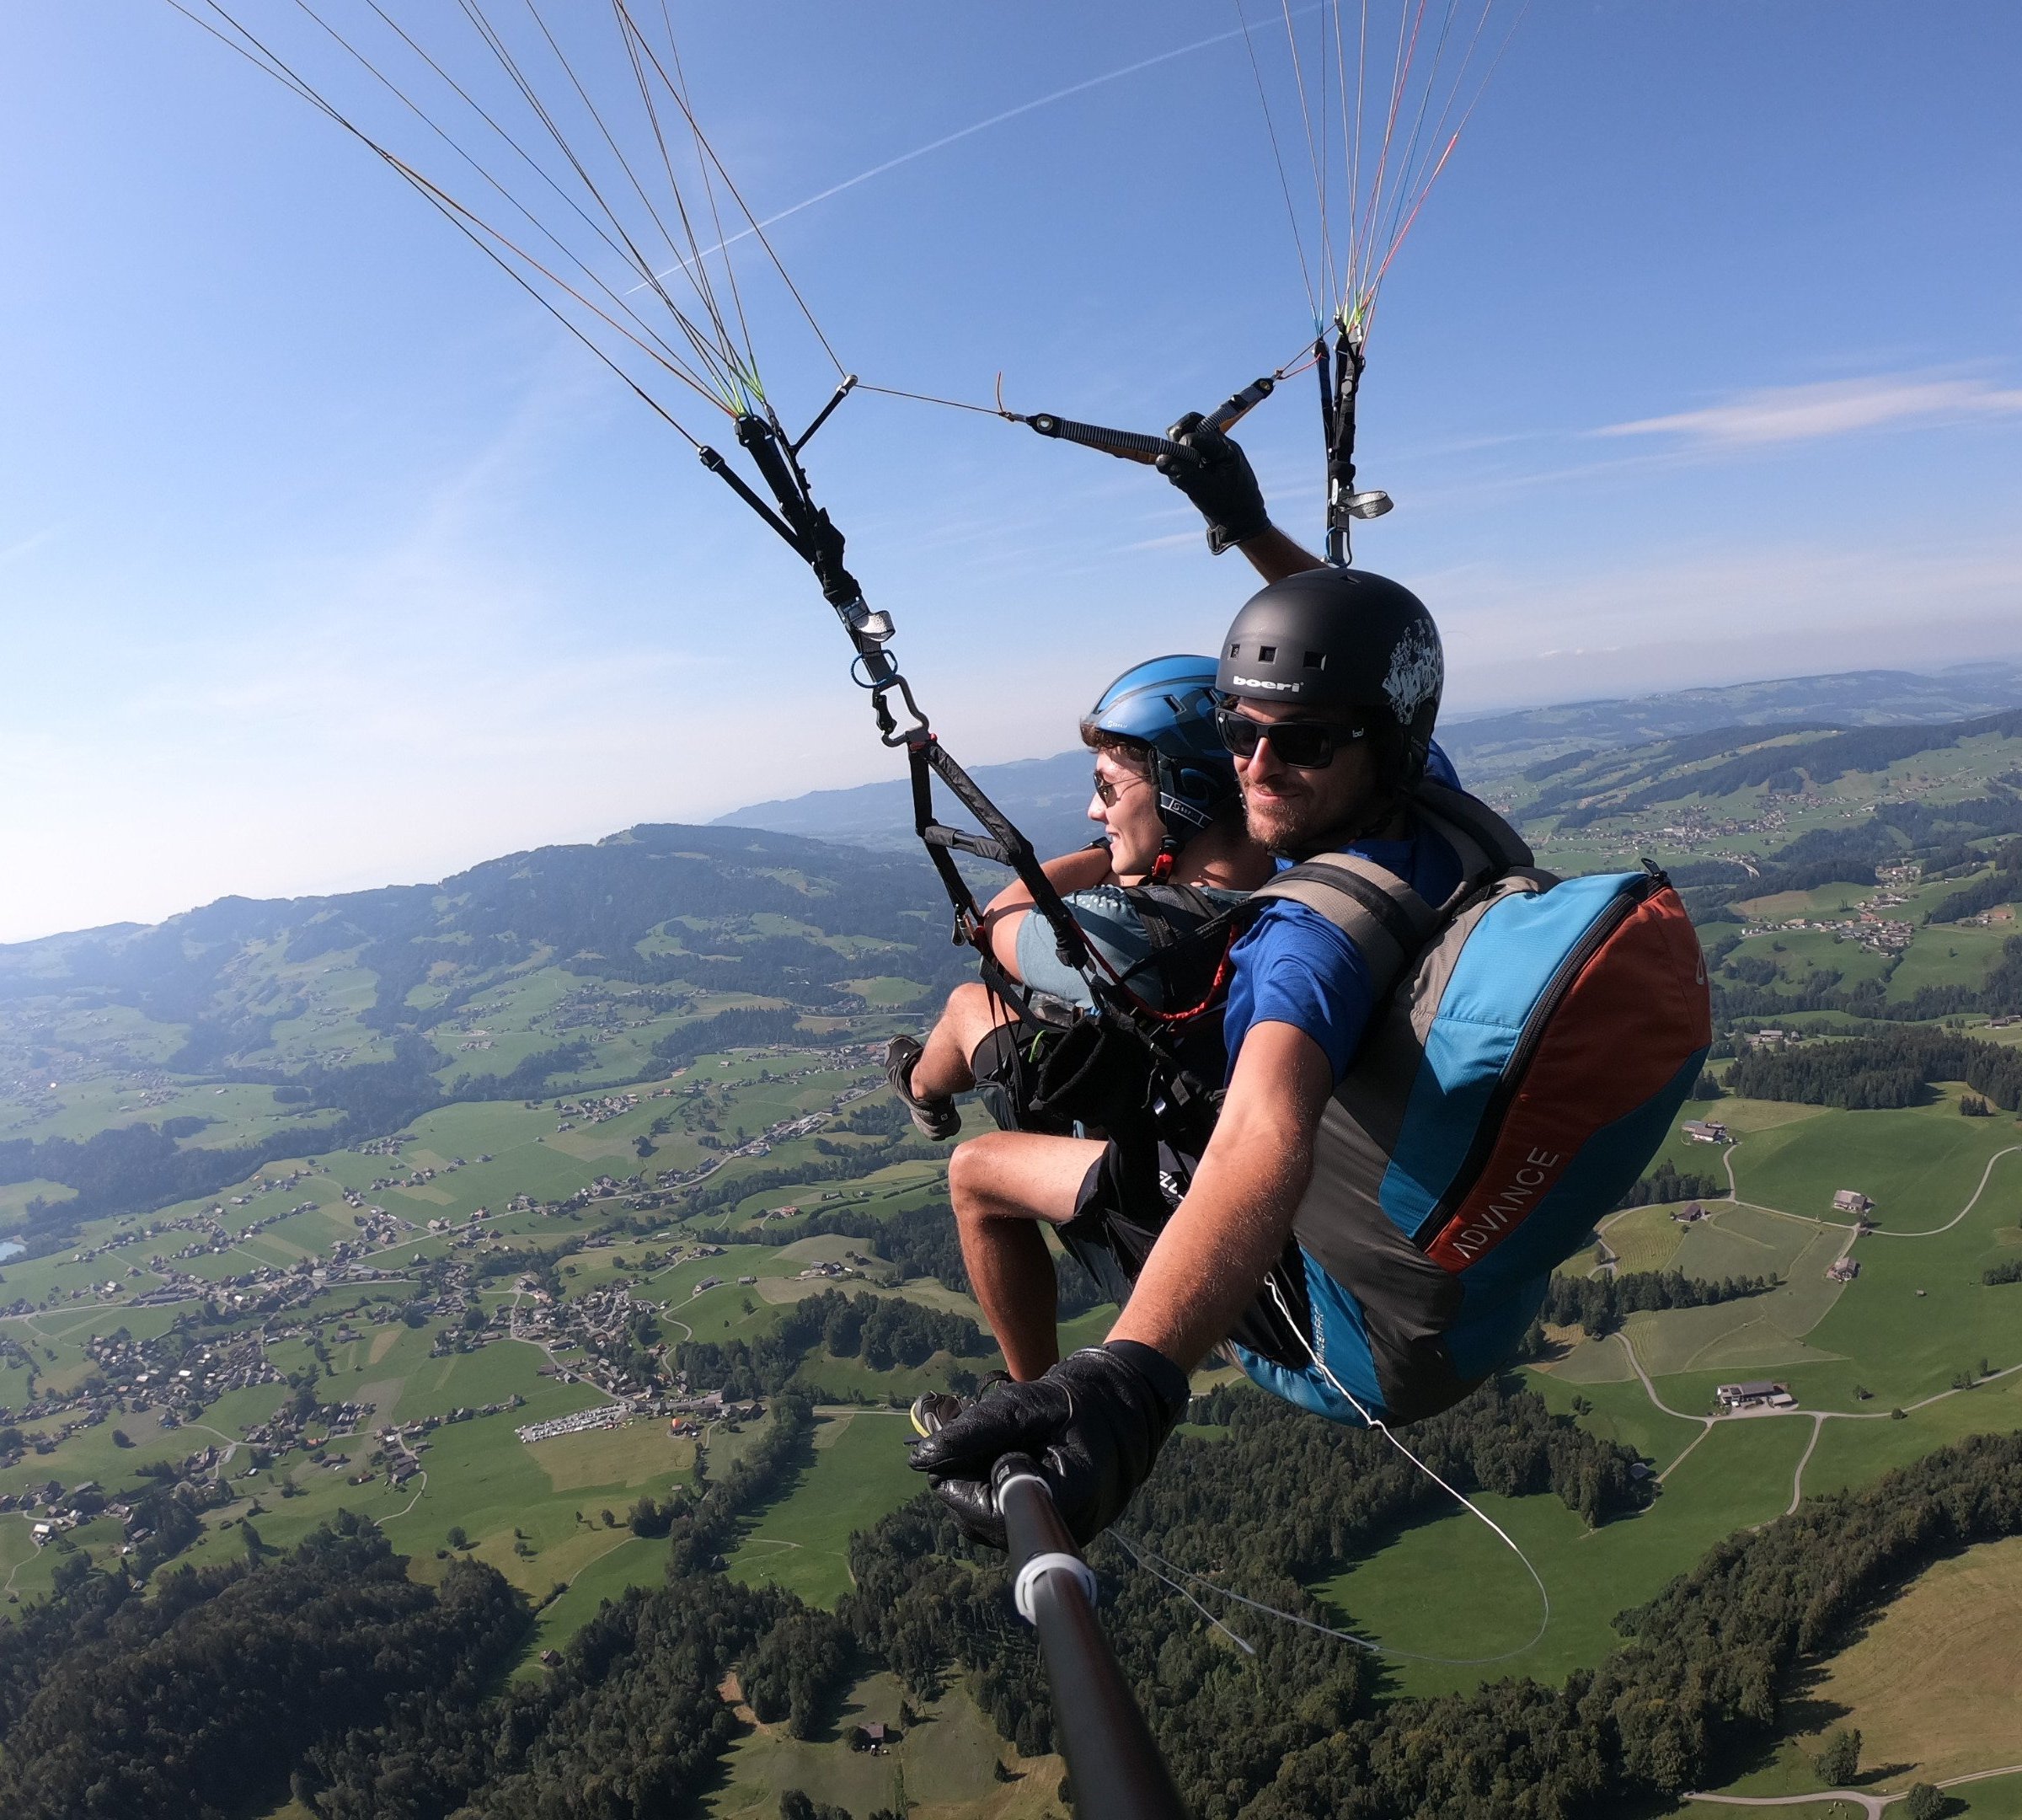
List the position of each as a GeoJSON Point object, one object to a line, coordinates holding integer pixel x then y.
{"type": "Point", "coordinates": [1165, 785]}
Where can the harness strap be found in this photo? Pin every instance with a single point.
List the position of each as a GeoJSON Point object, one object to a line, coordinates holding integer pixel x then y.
{"type": "Point", "coordinates": [1487, 845]}
{"type": "Point", "coordinates": [1386, 919]}
{"type": "Point", "coordinates": [1156, 903]}
{"type": "Point", "coordinates": [1374, 908]}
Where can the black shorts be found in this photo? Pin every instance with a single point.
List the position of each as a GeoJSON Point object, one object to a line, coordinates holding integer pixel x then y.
{"type": "Point", "coordinates": [1034, 1078]}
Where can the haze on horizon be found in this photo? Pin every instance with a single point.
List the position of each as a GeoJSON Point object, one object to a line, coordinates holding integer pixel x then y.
{"type": "Point", "coordinates": [326, 561]}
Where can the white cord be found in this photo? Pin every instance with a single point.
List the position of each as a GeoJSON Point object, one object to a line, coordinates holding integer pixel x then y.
{"type": "Point", "coordinates": [1363, 1643]}
{"type": "Point", "coordinates": [1144, 1558]}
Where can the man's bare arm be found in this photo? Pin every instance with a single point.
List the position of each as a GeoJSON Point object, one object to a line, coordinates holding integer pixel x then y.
{"type": "Point", "coordinates": [1274, 555]}
{"type": "Point", "coordinates": [1083, 869]}
{"type": "Point", "coordinates": [1215, 1251]}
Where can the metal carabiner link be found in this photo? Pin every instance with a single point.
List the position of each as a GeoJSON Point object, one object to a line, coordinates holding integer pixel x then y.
{"type": "Point", "coordinates": [889, 729]}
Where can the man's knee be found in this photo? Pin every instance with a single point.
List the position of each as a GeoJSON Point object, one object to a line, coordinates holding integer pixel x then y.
{"type": "Point", "coordinates": [987, 1177]}
{"type": "Point", "coordinates": [967, 1017]}
{"type": "Point", "coordinates": [976, 1175]}
{"type": "Point", "coordinates": [1019, 1175]}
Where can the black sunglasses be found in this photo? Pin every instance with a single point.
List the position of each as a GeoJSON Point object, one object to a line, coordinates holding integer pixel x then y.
{"type": "Point", "coordinates": [1304, 745]}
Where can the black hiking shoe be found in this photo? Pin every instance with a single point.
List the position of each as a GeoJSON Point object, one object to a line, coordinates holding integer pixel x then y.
{"type": "Point", "coordinates": [933, 1411]}
{"type": "Point", "coordinates": [937, 1119]}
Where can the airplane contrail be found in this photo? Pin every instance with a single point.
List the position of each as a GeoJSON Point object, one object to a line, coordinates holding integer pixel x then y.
{"type": "Point", "coordinates": [966, 132]}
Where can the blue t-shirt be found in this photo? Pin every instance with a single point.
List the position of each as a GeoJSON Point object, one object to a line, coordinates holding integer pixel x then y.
{"type": "Point", "coordinates": [1294, 966]}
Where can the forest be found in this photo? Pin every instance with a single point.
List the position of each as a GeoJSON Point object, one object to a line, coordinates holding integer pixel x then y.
{"type": "Point", "coordinates": [326, 1670]}
{"type": "Point", "coordinates": [880, 1331]}
{"type": "Point", "coordinates": [1598, 1304]}
{"type": "Point", "coordinates": [199, 1699]}
{"type": "Point", "coordinates": [1894, 1069]}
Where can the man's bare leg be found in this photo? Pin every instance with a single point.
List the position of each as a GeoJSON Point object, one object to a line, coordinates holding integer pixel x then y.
{"type": "Point", "coordinates": [942, 1070]}
{"type": "Point", "coordinates": [1003, 1184]}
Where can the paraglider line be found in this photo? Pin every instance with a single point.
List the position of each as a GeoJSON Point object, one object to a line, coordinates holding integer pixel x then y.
{"type": "Point", "coordinates": [1346, 1636]}
{"type": "Point", "coordinates": [983, 125]}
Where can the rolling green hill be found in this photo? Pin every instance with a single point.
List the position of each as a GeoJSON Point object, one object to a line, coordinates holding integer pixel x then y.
{"type": "Point", "coordinates": [140, 1066]}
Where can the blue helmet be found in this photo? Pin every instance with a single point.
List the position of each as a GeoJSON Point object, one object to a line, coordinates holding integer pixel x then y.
{"type": "Point", "coordinates": [1167, 708]}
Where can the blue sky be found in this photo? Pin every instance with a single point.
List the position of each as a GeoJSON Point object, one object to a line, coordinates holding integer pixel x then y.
{"type": "Point", "coordinates": [327, 560]}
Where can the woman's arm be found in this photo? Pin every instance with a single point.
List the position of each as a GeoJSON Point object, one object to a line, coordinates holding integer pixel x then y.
{"type": "Point", "coordinates": [1083, 869]}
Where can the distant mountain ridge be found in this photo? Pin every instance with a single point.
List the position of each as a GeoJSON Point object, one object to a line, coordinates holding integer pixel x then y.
{"type": "Point", "coordinates": [1493, 745]}
{"type": "Point", "coordinates": [1048, 797]}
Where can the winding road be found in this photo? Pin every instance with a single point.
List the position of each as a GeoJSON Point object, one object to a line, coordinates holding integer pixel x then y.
{"type": "Point", "coordinates": [1818, 1418]}
{"type": "Point", "coordinates": [1870, 1803]}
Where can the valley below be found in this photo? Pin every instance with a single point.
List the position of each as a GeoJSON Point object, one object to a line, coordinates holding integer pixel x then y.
{"type": "Point", "coordinates": [521, 1280]}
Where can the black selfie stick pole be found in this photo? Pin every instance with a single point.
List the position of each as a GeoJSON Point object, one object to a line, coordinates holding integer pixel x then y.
{"type": "Point", "coordinates": [1117, 1772]}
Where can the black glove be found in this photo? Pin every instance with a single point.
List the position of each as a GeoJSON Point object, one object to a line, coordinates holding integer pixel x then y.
{"type": "Point", "coordinates": [1215, 474]}
{"type": "Point", "coordinates": [1094, 1424]}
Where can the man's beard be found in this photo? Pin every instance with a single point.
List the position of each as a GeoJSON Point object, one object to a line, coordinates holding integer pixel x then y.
{"type": "Point", "coordinates": [1307, 824]}
{"type": "Point", "coordinates": [1284, 830]}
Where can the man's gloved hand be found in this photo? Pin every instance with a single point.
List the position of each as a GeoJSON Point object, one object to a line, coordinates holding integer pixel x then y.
{"type": "Point", "coordinates": [1094, 1424]}
{"type": "Point", "coordinates": [1215, 474]}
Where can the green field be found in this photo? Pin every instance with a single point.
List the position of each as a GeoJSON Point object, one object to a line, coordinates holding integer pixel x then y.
{"type": "Point", "coordinates": [856, 1472]}
{"type": "Point", "coordinates": [1453, 1581]}
{"type": "Point", "coordinates": [943, 1766]}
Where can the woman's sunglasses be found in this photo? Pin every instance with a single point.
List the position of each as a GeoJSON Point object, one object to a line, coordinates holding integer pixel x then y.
{"type": "Point", "coordinates": [1304, 745]}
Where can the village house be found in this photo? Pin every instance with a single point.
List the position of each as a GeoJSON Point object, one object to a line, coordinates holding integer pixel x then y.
{"type": "Point", "coordinates": [1756, 1395]}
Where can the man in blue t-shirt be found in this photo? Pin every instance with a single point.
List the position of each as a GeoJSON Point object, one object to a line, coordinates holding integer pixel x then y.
{"type": "Point", "coordinates": [1330, 681]}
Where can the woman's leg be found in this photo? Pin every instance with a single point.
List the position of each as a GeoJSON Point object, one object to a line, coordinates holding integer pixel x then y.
{"type": "Point", "coordinates": [1003, 1184]}
{"type": "Point", "coordinates": [943, 1069]}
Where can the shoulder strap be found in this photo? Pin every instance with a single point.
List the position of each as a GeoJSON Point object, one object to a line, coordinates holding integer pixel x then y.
{"type": "Point", "coordinates": [1374, 908]}
{"type": "Point", "coordinates": [1169, 913]}
{"type": "Point", "coordinates": [1378, 911]}
{"type": "Point", "coordinates": [1188, 933]}
{"type": "Point", "coordinates": [1487, 845]}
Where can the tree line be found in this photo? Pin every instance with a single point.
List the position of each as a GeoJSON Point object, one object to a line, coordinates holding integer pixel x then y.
{"type": "Point", "coordinates": [2003, 885]}
{"type": "Point", "coordinates": [1894, 1069]}
{"type": "Point", "coordinates": [706, 1527]}
{"type": "Point", "coordinates": [1599, 1303]}
{"type": "Point", "coordinates": [883, 1332]}
{"type": "Point", "coordinates": [1666, 1183]}
{"type": "Point", "coordinates": [1293, 1734]}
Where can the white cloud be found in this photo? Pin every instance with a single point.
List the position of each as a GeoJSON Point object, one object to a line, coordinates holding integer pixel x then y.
{"type": "Point", "coordinates": [1832, 407]}
{"type": "Point", "coordinates": [27, 545]}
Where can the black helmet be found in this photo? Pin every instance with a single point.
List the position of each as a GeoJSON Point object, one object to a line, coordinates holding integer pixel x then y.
{"type": "Point", "coordinates": [1165, 707]}
{"type": "Point", "coordinates": [1342, 638]}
